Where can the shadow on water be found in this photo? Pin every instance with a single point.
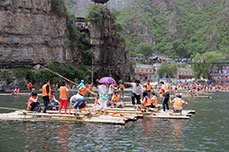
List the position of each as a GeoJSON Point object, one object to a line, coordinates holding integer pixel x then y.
{"type": "Point", "coordinates": [206, 131]}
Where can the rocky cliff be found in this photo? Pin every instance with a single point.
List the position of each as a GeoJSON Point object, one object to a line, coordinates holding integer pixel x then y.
{"type": "Point", "coordinates": [109, 51]}
{"type": "Point", "coordinates": [30, 33]}
{"type": "Point", "coordinates": [80, 6]}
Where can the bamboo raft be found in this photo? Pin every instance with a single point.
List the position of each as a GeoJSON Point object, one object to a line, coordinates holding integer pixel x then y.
{"type": "Point", "coordinates": [118, 116]}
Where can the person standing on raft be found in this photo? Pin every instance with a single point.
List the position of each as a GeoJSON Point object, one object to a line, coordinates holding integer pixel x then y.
{"type": "Point", "coordinates": [46, 90]}
{"type": "Point", "coordinates": [165, 95]}
{"type": "Point", "coordinates": [137, 91]}
{"type": "Point", "coordinates": [63, 97]}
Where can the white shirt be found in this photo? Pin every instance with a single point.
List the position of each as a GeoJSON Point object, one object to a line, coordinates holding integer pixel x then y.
{"type": "Point", "coordinates": [76, 97]}
{"type": "Point", "coordinates": [137, 89]}
{"type": "Point", "coordinates": [176, 98]}
{"type": "Point", "coordinates": [163, 88]}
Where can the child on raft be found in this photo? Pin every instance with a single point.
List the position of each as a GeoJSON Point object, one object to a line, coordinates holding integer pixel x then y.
{"type": "Point", "coordinates": [177, 104]}
{"type": "Point", "coordinates": [114, 101]}
{"type": "Point", "coordinates": [53, 101]}
{"type": "Point", "coordinates": [32, 102]}
{"type": "Point", "coordinates": [153, 98]}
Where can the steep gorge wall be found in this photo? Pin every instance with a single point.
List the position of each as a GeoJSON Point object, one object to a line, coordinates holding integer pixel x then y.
{"type": "Point", "coordinates": [109, 51]}
{"type": "Point", "coordinates": [30, 33]}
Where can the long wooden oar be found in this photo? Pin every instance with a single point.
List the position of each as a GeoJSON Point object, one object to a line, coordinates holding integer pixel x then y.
{"type": "Point", "coordinates": [58, 75]}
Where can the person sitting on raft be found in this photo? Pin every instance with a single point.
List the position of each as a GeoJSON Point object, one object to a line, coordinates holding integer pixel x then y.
{"type": "Point", "coordinates": [153, 98]}
{"type": "Point", "coordinates": [177, 104]}
{"type": "Point", "coordinates": [16, 91]}
{"type": "Point", "coordinates": [114, 101]}
{"type": "Point", "coordinates": [32, 102]}
{"type": "Point", "coordinates": [53, 101]}
{"type": "Point", "coordinates": [146, 101]}
{"type": "Point", "coordinates": [80, 102]}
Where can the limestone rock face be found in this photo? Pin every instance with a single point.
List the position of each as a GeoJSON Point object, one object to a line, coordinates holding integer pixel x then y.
{"type": "Point", "coordinates": [30, 33]}
{"type": "Point", "coordinates": [109, 51]}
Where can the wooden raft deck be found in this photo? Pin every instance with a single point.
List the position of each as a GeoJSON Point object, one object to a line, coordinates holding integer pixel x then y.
{"type": "Point", "coordinates": [114, 116]}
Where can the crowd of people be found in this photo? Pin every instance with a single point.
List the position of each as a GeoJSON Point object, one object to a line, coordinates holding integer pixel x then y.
{"type": "Point", "coordinates": [112, 95]}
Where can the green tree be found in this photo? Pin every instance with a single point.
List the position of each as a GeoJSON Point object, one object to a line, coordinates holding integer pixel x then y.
{"type": "Point", "coordinates": [168, 70]}
{"type": "Point", "coordinates": [145, 49]}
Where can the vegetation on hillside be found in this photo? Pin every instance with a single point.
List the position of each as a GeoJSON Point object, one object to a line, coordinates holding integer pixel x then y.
{"type": "Point", "coordinates": [177, 28]}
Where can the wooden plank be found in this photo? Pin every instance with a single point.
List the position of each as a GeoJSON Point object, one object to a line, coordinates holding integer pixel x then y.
{"type": "Point", "coordinates": [163, 116]}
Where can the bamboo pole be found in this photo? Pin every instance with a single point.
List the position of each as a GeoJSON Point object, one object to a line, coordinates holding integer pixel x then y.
{"type": "Point", "coordinates": [58, 75]}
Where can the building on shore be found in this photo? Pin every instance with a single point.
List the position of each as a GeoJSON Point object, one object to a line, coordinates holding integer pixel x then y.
{"type": "Point", "coordinates": [144, 72]}
{"type": "Point", "coordinates": [185, 73]}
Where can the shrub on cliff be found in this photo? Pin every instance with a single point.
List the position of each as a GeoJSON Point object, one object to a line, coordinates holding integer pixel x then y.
{"type": "Point", "coordinates": [95, 12]}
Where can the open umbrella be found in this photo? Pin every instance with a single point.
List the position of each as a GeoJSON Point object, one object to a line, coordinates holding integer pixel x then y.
{"type": "Point", "coordinates": [107, 80]}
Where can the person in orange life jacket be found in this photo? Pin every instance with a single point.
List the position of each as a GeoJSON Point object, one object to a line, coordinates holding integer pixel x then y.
{"type": "Point", "coordinates": [53, 101]}
{"type": "Point", "coordinates": [177, 104]}
{"type": "Point", "coordinates": [45, 94]}
{"type": "Point", "coordinates": [84, 89]}
{"type": "Point", "coordinates": [165, 95]}
{"type": "Point", "coordinates": [121, 86]}
{"type": "Point", "coordinates": [114, 101]}
{"type": "Point", "coordinates": [63, 97]}
{"type": "Point", "coordinates": [146, 101]}
{"type": "Point", "coordinates": [137, 90]}
{"type": "Point", "coordinates": [153, 98]}
{"type": "Point", "coordinates": [32, 102]}
{"type": "Point", "coordinates": [148, 88]}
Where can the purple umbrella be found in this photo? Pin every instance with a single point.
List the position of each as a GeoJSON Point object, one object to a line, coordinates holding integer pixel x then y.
{"type": "Point", "coordinates": [107, 80]}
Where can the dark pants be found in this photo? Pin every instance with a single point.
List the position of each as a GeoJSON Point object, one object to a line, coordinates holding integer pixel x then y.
{"type": "Point", "coordinates": [34, 105]}
{"type": "Point", "coordinates": [165, 101]}
{"type": "Point", "coordinates": [138, 97]}
{"type": "Point", "coordinates": [46, 102]}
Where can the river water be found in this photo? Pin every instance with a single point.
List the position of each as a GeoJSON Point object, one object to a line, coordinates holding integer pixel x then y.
{"type": "Point", "coordinates": [207, 130]}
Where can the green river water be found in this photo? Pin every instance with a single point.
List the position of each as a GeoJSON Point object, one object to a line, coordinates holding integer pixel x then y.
{"type": "Point", "coordinates": [207, 130]}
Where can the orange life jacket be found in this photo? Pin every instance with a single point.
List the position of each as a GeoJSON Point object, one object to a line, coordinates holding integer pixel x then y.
{"type": "Point", "coordinates": [83, 90]}
{"type": "Point", "coordinates": [63, 93]}
{"type": "Point", "coordinates": [162, 92]}
{"type": "Point", "coordinates": [115, 98]}
{"type": "Point", "coordinates": [178, 104]}
{"type": "Point", "coordinates": [148, 87]}
{"type": "Point", "coordinates": [121, 86]}
{"type": "Point", "coordinates": [44, 90]}
{"type": "Point", "coordinates": [146, 101]}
